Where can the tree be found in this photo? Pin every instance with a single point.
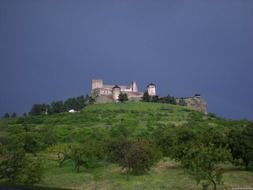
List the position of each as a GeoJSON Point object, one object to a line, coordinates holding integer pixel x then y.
{"type": "Point", "coordinates": [91, 100]}
{"type": "Point", "coordinates": [6, 115]}
{"type": "Point", "coordinates": [182, 102]}
{"type": "Point", "coordinates": [146, 97]}
{"type": "Point", "coordinates": [32, 142]}
{"type": "Point", "coordinates": [16, 166]}
{"type": "Point", "coordinates": [201, 154]}
{"type": "Point", "coordinates": [241, 145]}
{"type": "Point", "coordinates": [57, 107]}
{"type": "Point", "coordinates": [163, 137]}
{"type": "Point", "coordinates": [13, 115]}
{"type": "Point", "coordinates": [76, 103]}
{"type": "Point", "coordinates": [86, 154]}
{"type": "Point", "coordinates": [136, 156]}
{"type": "Point", "coordinates": [123, 97]}
{"type": "Point", "coordinates": [39, 109]}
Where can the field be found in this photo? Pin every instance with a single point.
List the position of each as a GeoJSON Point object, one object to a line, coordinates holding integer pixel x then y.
{"type": "Point", "coordinates": [140, 118]}
{"type": "Point", "coordinates": [165, 175]}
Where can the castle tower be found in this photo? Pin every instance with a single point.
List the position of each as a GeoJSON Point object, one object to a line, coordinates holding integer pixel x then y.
{"type": "Point", "coordinates": [151, 89]}
{"type": "Point", "coordinates": [134, 87]}
{"type": "Point", "coordinates": [98, 83]}
{"type": "Point", "coordinates": [115, 92]}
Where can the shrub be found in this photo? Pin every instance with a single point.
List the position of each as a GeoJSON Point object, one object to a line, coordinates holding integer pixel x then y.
{"type": "Point", "coordinates": [136, 156]}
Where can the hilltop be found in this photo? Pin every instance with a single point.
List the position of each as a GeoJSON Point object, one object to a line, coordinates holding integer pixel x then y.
{"type": "Point", "coordinates": [100, 121]}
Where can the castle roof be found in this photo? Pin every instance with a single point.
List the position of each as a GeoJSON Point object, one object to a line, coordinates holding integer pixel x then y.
{"type": "Point", "coordinates": [151, 84]}
{"type": "Point", "coordinates": [116, 86]}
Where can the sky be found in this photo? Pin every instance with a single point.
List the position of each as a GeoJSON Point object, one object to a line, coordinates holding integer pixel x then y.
{"type": "Point", "coordinates": [52, 49]}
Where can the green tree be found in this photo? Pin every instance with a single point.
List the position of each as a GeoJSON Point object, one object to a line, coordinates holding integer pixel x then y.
{"type": "Point", "coordinates": [241, 145]}
{"type": "Point", "coordinates": [86, 154]}
{"type": "Point", "coordinates": [6, 115]}
{"type": "Point", "coordinates": [13, 115]}
{"type": "Point", "coordinates": [39, 109]}
{"type": "Point", "coordinates": [57, 107]}
{"type": "Point", "coordinates": [164, 138]}
{"type": "Point", "coordinates": [136, 156]}
{"type": "Point", "coordinates": [123, 97]}
{"type": "Point", "coordinates": [91, 100]}
{"type": "Point", "coordinates": [201, 154]}
{"type": "Point", "coordinates": [146, 97]}
{"type": "Point", "coordinates": [16, 166]}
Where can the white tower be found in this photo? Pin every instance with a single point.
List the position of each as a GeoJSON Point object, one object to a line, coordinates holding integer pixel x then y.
{"type": "Point", "coordinates": [98, 83]}
{"type": "Point", "coordinates": [151, 89]}
{"type": "Point", "coordinates": [116, 92]}
{"type": "Point", "coordinates": [134, 87]}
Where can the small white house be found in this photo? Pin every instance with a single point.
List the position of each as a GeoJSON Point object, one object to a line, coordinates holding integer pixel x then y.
{"type": "Point", "coordinates": [72, 111]}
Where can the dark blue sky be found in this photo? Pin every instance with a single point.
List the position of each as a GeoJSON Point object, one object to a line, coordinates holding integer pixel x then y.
{"type": "Point", "coordinates": [51, 49]}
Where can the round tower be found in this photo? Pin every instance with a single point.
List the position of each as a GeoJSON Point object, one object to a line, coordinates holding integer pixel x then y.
{"type": "Point", "coordinates": [151, 89]}
{"type": "Point", "coordinates": [115, 92]}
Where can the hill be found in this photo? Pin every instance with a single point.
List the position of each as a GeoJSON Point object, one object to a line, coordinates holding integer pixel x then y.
{"type": "Point", "coordinates": [101, 122]}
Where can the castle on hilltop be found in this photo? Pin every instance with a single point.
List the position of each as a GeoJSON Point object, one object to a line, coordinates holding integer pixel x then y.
{"type": "Point", "coordinates": [110, 93]}
{"type": "Point", "coordinates": [103, 93]}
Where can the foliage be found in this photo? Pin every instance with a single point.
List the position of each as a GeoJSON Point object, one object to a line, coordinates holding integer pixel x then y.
{"type": "Point", "coordinates": [13, 115]}
{"type": "Point", "coordinates": [146, 97]}
{"type": "Point", "coordinates": [201, 154]}
{"type": "Point", "coordinates": [123, 97]}
{"type": "Point", "coordinates": [241, 145]}
{"type": "Point", "coordinates": [39, 109]}
{"type": "Point", "coordinates": [164, 137]}
{"type": "Point", "coordinates": [136, 156]}
{"type": "Point", "coordinates": [86, 154]}
{"type": "Point", "coordinates": [16, 166]}
{"type": "Point", "coordinates": [133, 131]}
{"type": "Point", "coordinates": [57, 107]}
{"type": "Point", "coordinates": [167, 99]}
{"type": "Point", "coordinates": [76, 103]}
{"type": "Point", "coordinates": [6, 115]}
{"type": "Point", "coordinates": [91, 100]}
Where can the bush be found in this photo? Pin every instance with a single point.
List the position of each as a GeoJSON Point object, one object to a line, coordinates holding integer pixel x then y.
{"type": "Point", "coordinates": [136, 156]}
{"type": "Point", "coordinates": [241, 145]}
{"type": "Point", "coordinates": [123, 97]}
{"type": "Point", "coordinates": [16, 167]}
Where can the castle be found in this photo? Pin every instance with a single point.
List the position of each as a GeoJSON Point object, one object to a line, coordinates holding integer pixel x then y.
{"type": "Point", "coordinates": [110, 93]}
{"type": "Point", "coordinates": [103, 93]}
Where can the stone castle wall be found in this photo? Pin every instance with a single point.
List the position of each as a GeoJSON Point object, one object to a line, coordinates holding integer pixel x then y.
{"type": "Point", "coordinates": [110, 93]}
{"type": "Point", "coordinates": [195, 102]}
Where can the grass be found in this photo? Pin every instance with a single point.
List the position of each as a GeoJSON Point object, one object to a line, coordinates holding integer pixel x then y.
{"type": "Point", "coordinates": [98, 118]}
{"type": "Point", "coordinates": [165, 175]}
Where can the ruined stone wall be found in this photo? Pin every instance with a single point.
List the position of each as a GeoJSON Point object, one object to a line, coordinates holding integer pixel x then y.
{"type": "Point", "coordinates": [195, 102]}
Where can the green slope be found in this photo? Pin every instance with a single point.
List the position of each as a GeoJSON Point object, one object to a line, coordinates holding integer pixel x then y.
{"type": "Point", "coordinates": [97, 120]}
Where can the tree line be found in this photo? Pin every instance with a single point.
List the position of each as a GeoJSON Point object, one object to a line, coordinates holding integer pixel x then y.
{"type": "Point", "coordinates": [123, 97]}
{"type": "Point", "coordinates": [78, 103]}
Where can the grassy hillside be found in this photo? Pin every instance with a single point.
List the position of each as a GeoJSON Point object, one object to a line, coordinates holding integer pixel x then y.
{"type": "Point", "coordinates": [140, 118]}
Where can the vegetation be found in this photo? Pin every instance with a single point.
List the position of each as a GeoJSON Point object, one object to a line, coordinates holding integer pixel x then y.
{"type": "Point", "coordinates": [127, 146]}
{"type": "Point", "coordinates": [167, 99]}
{"type": "Point", "coordinates": [123, 97]}
{"type": "Point", "coordinates": [136, 156]}
{"type": "Point", "coordinates": [76, 103]}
